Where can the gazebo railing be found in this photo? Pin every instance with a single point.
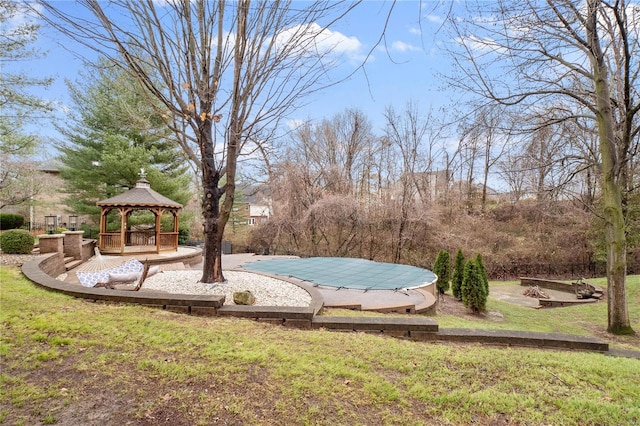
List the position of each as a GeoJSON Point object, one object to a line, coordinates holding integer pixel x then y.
{"type": "Point", "coordinates": [168, 240]}
{"type": "Point", "coordinates": [141, 238]}
{"type": "Point", "coordinates": [109, 241]}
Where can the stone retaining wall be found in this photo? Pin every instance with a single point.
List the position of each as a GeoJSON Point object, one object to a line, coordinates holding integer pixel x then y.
{"type": "Point", "coordinates": [548, 284]}
{"type": "Point", "coordinates": [41, 269]}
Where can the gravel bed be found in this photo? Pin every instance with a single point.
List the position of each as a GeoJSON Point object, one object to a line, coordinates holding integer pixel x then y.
{"type": "Point", "coordinates": [267, 291]}
{"type": "Point", "coordinates": [14, 259]}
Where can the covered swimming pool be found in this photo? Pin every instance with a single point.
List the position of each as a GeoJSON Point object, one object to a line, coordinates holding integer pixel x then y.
{"type": "Point", "coordinates": [348, 273]}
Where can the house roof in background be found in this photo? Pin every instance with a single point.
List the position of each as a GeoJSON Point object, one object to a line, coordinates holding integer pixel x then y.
{"type": "Point", "coordinates": [259, 211]}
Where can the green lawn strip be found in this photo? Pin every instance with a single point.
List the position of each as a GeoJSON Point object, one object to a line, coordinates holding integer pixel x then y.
{"type": "Point", "coordinates": [58, 352]}
{"type": "Point", "coordinates": [582, 320]}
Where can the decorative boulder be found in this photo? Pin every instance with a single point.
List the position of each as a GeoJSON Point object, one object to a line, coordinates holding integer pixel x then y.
{"type": "Point", "coordinates": [244, 298]}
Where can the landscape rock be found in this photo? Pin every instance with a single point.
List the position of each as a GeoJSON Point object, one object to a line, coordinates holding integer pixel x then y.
{"type": "Point", "coordinates": [244, 298]}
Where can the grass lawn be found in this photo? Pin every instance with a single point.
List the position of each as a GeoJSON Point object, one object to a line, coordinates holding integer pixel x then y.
{"type": "Point", "coordinates": [66, 361]}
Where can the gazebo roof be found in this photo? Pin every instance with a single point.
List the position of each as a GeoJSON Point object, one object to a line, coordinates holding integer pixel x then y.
{"type": "Point", "coordinates": [140, 196]}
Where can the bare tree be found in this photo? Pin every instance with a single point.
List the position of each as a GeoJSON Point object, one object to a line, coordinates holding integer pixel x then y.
{"type": "Point", "coordinates": [226, 73]}
{"type": "Point", "coordinates": [565, 57]}
{"type": "Point", "coordinates": [468, 149]}
{"type": "Point", "coordinates": [542, 156]}
{"type": "Point", "coordinates": [18, 180]}
{"type": "Point", "coordinates": [333, 149]}
{"type": "Point", "coordinates": [484, 140]}
{"type": "Point", "coordinates": [406, 132]}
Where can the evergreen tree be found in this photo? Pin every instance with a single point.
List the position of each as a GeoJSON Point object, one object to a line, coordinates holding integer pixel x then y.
{"type": "Point", "coordinates": [458, 275]}
{"type": "Point", "coordinates": [483, 273]}
{"type": "Point", "coordinates": [473, 293]}
{"type": "Point", "coordinates": [442, 268]}
{"type": "Point", "coordinates": [18, 106]}
{"type": "Point", "coordinates": [18, 36]}
{"type": "Point", "coordinates": [117, 132]}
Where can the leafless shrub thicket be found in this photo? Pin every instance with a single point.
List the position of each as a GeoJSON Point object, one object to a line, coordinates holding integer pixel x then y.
{"type": "Point", "coordinates": [399, 197]}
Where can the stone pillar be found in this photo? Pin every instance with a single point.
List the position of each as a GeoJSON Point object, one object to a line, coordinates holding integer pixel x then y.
{"type": "Point", "coordinates": [51, 243]}
{"type": "Point", "coordinates": [73, 244]}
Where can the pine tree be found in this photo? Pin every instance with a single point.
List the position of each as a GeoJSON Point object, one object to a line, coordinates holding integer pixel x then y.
{"type": "Point", "coordinates": [442, 268]}
{"type": "Point", "coordinates": [458, 275]}
{"type": "Point", "coordinates": [115, 134]}
{"type": "Point", "coordinates": [473, 293]}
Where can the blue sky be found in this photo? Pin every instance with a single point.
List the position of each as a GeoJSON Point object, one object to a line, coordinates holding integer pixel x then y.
{"type": "Point", "coordinates": [402, 68]}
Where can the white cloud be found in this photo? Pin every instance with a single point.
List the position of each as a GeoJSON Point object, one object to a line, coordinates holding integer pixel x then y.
{"type": "Point", "coordinates": [321, 41]}
{"type": "Point", "coordinates": [294, 123]}
{"type": "Point", "coordinates": [401, 46]}
{"type": "Point", "coordinates": [17, 16]}
{"type": "Point", "coordinates": [435, 19]}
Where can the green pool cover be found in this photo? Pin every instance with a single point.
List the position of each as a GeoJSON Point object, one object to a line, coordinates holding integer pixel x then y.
{"type": "Point", "coordinates": [345, 272]}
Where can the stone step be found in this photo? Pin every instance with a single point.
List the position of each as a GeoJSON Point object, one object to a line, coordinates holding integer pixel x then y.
{"type": "Point", "coordinates": [68, 259]}
{"type": "Point", "coordinates": [70, 265]}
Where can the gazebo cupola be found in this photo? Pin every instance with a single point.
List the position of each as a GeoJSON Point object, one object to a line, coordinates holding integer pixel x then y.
{"type": "Point", "coordinates": [128, 240]}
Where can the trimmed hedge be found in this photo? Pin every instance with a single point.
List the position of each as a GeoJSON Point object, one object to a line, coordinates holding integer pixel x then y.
{"type": "Point", "coordinates": [10, 221]}
{"type": "Point", "coordinates": [17, 241]}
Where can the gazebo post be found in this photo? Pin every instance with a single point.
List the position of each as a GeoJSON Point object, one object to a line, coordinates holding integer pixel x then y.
{"type": "Point", "coordinates": [158, 213]}
{"type": "Point", "coordinates": [103, 226]}
{"type": "Point", "coordinates": [176, 226]}
{"type": "Point", "coordinates": [123, 229]}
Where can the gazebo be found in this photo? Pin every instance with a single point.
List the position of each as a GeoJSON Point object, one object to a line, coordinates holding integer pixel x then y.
{"type": "Point", "coordinates": [128, 239]}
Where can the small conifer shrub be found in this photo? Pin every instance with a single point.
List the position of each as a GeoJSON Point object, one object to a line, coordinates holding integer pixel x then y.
{"type": "Point", "coordinates": [474, 295]}
{"type": "Point", "coordinates": [458, 275]}
{"type": "Point", "coordinates": [442, 268]}
{"type": "Point", "coordinates": [483, 273]}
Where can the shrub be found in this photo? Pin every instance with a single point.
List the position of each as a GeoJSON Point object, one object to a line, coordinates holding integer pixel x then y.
{"type": "Point", "coordinates": [17, 241]}
{"type": "Point", "coordinates": [483, 273]}
{"type": "Point", "coordinates": [10, 221]}
{"type": "Point", "coordinates": [90, 231]}
{"type": "Point", "coordinates": [442, 268]}
{"type": "Point", "coordinates": [474, 296]}
{"type": "Point", "coordinates": [458, 275]}
{"type": "Point", "coordinates": [183, 236]}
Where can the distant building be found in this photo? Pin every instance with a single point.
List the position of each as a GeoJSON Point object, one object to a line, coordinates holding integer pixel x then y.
{"type": "Point", "coordinates": [426, 187]}
{"type": "Point", "coordinates": [49, 200]}
{"type": "Point", "coordinates": [250, 214]}
{"type": "Point", "coordinates": [258, 214]}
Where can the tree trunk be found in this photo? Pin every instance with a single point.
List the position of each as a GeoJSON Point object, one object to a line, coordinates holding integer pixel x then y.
{"type": "Point", "coordinates": [212, 266]}
{"type": "Point", "coordinates": [612, 187]}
